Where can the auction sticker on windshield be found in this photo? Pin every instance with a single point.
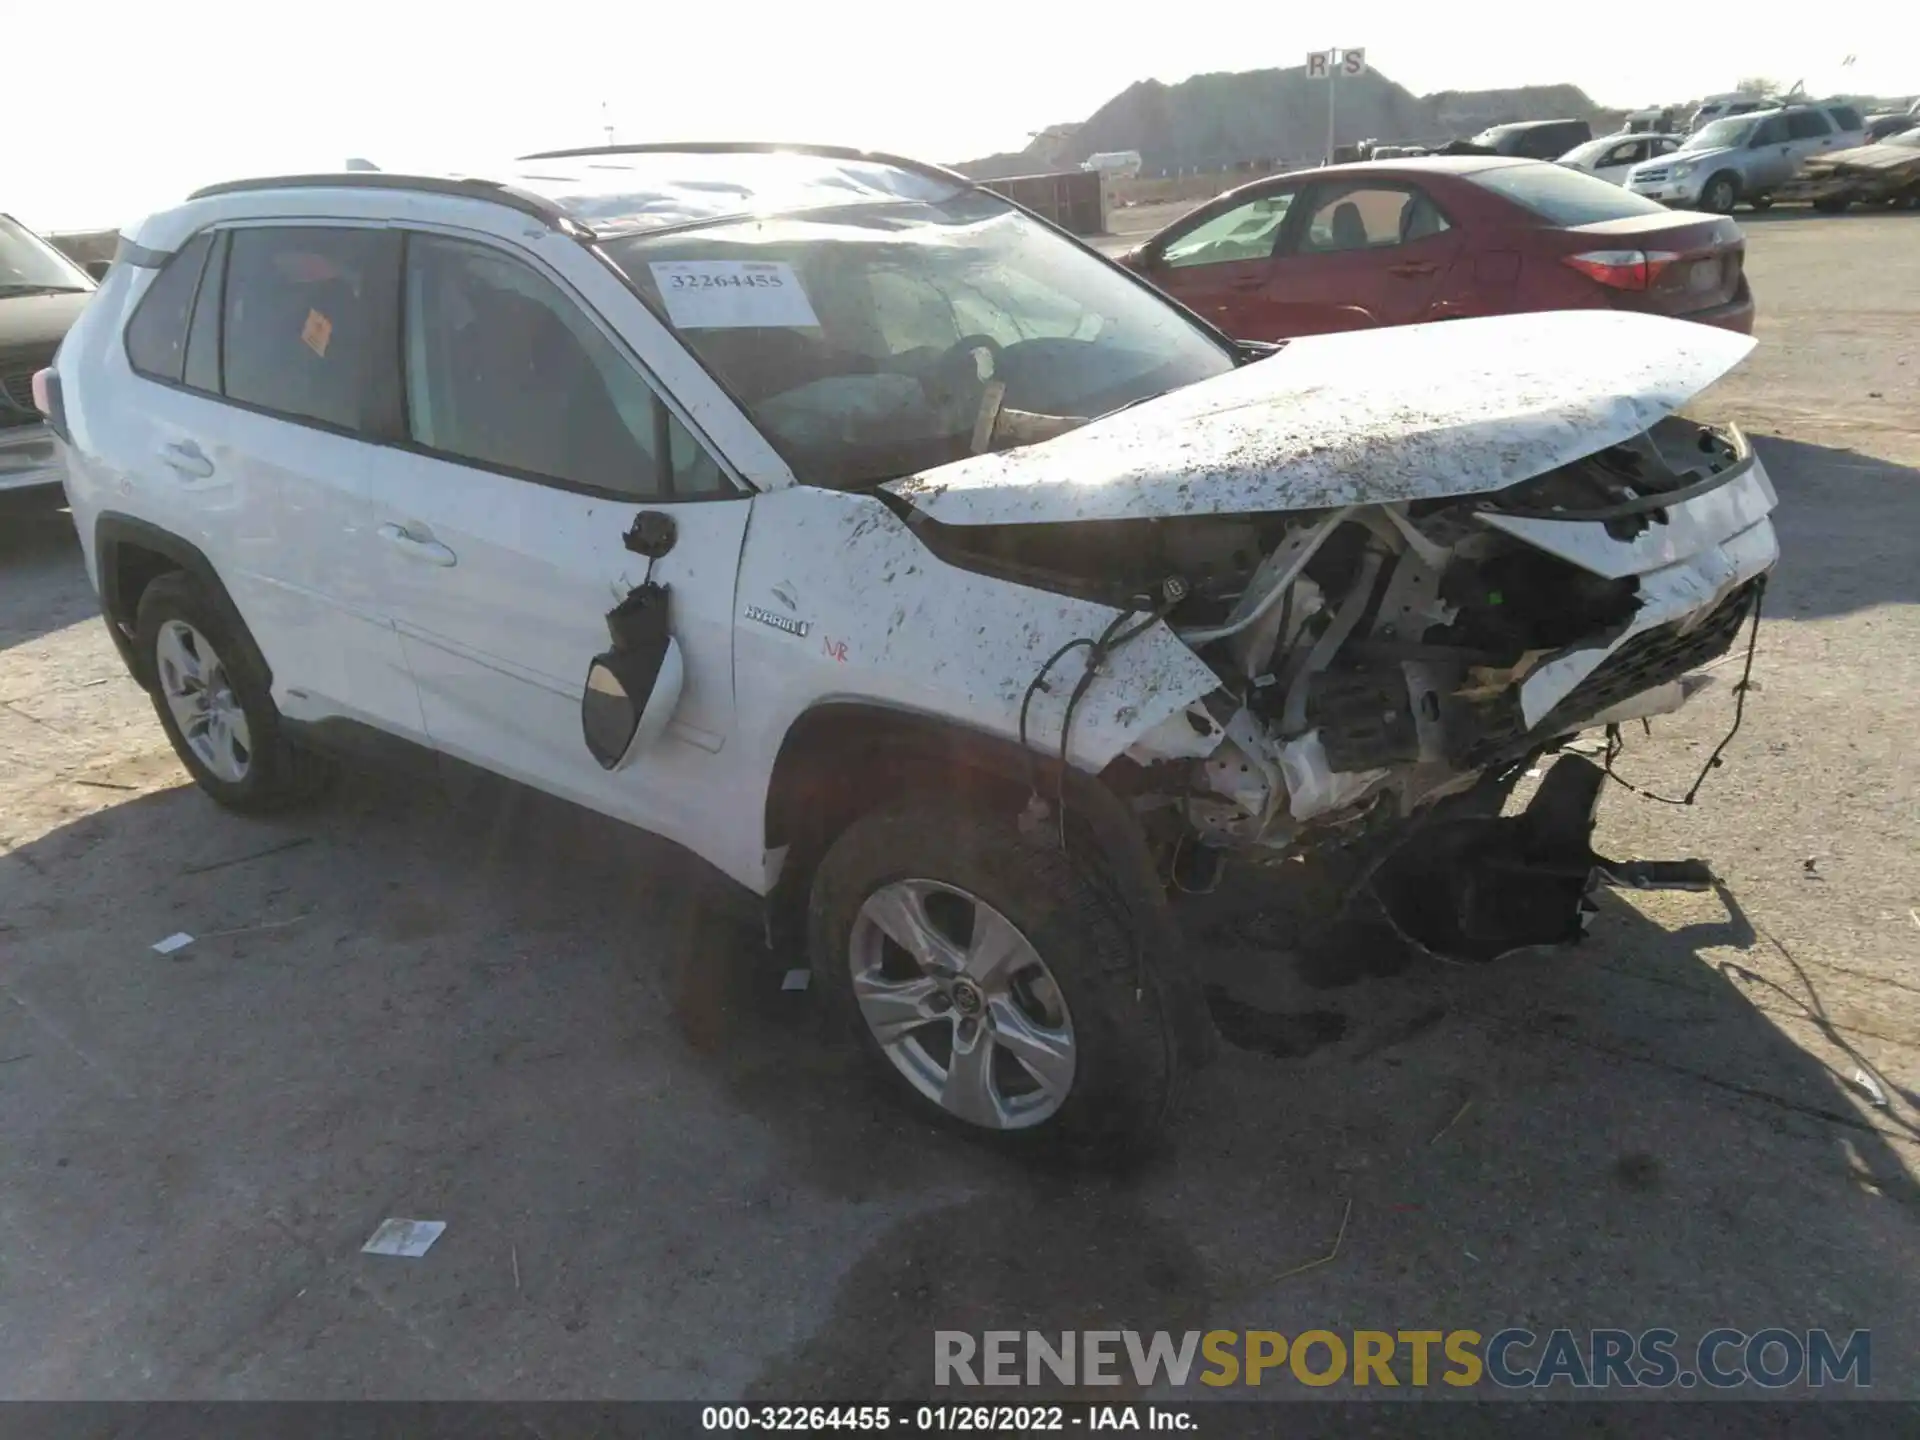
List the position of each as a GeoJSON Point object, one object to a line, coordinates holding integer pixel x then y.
{"type": "Point", "coordinates": [732, 294]}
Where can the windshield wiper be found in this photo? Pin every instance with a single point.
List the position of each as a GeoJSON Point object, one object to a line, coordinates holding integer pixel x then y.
{"type": "Point", "coordinates": [19, 288]}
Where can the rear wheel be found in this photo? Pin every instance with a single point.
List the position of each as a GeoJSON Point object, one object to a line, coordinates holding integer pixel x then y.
{"type": "Point", "coordinates": [1832, 204]}
{"type": "Point", "coordinates": [214, 705]}
{"type": "Point", "coordinates": [994, 980]}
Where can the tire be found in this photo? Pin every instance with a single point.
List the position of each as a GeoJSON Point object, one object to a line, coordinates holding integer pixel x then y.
{"type": "Point", "coordinates": [942, 861]}
{"type": "Point", "coordinates": [1833, 204]}
{"type": "Point", "coordinates": [242, 759]}
{"type": "Point", "coordinates": [1721, 193]}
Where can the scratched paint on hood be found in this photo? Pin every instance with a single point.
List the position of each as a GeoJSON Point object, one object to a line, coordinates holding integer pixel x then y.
{"type": "Point", "coordinates": [1369, 417]}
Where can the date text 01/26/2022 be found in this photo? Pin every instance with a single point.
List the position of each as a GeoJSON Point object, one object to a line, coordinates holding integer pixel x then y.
{"type": "Point", "coordinates": [1019, 1419]}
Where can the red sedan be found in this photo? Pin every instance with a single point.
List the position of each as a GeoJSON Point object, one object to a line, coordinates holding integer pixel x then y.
{"type": "Point", "coordinates": [1438, 238]}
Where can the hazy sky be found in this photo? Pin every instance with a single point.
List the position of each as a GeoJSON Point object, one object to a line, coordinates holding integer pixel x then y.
{"type": "Point", "coordinates": [120, 108]}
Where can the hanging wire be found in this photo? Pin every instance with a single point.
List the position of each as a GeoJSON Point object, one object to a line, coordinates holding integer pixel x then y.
{"type": "Point", "coordinates": [1615, 745]}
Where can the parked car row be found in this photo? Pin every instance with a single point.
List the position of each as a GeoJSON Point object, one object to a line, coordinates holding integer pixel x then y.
{"type": "Point", "coordinates": [1743, 159]}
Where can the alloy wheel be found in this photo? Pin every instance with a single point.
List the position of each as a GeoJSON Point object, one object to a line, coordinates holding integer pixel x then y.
{"type": "Point", "coordinates": [962, 1004]}
{"type": "Point", "coordinates": [200, 697]}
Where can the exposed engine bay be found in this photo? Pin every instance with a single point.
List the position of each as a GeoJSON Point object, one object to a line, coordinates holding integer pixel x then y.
{"type": "Point", "coordinates": [1374, 658]}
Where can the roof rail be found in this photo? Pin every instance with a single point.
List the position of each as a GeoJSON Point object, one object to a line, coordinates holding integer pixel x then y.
{"type": "Point", "coordinates": [465, 187]}
{"type": "Point", "coordinates": [754, 147]}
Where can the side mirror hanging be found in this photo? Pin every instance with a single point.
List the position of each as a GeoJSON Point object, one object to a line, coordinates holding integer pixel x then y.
{"type": "Point", "coordinates": [632, 689]}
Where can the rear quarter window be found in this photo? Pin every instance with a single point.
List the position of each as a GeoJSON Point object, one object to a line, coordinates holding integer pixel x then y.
{"type": "Point", "coordinates": [1561, 196]}
{"type": "Point", "coordinates": [157, 334]}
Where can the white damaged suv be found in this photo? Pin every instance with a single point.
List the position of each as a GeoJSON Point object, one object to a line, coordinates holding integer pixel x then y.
{"type": "Point", "coordinates": [923, 571]}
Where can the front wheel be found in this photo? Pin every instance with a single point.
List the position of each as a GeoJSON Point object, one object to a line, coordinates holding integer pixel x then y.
{"type": "Point", "coordinates": [993, 978]}
{"type": "Point", "coordinates": [1720, 195]}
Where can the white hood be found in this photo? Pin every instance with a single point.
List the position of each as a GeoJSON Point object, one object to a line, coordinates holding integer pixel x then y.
{"type": "Point", "coordinates": [1368, 417]}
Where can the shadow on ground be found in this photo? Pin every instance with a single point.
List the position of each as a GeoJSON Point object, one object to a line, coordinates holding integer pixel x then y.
{"type": "Point", "coordinates": [43, 586]}
{"type": "Point", "coordinates": [1849, 528]}
{"type": "Point", "coordinates": [570, 1036]}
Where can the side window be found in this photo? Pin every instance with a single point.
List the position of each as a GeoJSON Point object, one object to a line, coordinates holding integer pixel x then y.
{"type": "Point", "coordinates": [1807, 125]}
{"type": "Point", "coordinates": [505, 370]}
{"type": "Point", "coordinates": [303, 319]}
{"type": "Point", "coordinates": [1770, 131]}
{"type": "Point", "coordinates": [1246, 232]}
{"type": "Point", "coordinates": [157, 334]}
{"type": "Point", "coordinates": [1665, 145]}
{"type": "Point", "coordinates": [203, 332]}
{"type": "Point", "coordinates": [1368, 217]}
{"type": "Point", "coordinates": [1624, 154]}
{"type": "Point", "coordinates": [1845, 117]}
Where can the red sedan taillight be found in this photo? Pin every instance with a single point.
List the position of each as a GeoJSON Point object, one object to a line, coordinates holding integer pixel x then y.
{"type": "Point", "coordinates": [1623, 269]}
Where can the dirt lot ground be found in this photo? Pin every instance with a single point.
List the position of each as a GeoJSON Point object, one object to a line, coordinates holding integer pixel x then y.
{"type": "Point", "coordinates": [466, 1002]}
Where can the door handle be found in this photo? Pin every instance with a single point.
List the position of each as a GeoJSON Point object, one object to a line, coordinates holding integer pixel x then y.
{"type": "Point", "coordinates": [186, 457]}
{"type": "Point", "coordinates": [1411, 268]}
{"type": "Point", "coordinates": [413, 547]}
{"type": "Point", "coordinates": [1250, 282]}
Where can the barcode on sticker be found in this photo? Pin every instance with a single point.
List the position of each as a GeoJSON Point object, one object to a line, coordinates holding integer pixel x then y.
{"type": "Point", "coordinates": [732, 294]}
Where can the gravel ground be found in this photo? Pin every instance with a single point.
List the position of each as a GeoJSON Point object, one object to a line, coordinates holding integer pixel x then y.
{"type": "Point", "coordinates": [470, 1003]}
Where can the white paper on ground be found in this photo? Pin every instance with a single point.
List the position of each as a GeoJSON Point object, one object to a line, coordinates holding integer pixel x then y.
{"type": "Point", "coordinates": [797, 980]}
{"type": "Point", "coordinates": [179, 940]}
{"type": "Point", "coordinates": [411, 1238]}
{"type": "Point", "coordinates": [731, 294]}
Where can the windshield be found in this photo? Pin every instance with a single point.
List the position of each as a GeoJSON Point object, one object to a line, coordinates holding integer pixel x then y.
{"type": "Point", "coordinates": [863, 340]}
{"type": "Point", "coordinates": [28, 263]}
{"type": "Point", "coordinates": [1729, 133]}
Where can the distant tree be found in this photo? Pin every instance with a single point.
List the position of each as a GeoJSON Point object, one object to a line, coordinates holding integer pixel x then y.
{"type": "Point", "coordinates": [1758, 85]}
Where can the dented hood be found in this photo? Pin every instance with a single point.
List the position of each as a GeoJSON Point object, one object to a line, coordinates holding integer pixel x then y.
{"type": "Point", "coordinates": [1368, 417]}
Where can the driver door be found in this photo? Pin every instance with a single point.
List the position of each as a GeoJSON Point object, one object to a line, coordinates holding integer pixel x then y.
{"type": "Point", "coordinates": [533, 442]}
{"type": "Point", "coordinates": [1221, 265]}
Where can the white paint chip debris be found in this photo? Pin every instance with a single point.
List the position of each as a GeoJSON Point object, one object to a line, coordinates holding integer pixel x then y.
{"type": "Point", "coordinates": [409, 1238]}
{"type": "Point", "coordinates": [179, 940]}
{"type": "Point", "coordinates": [1872, 1088]}
{"type": "Point", "coordinates": [797, 980]}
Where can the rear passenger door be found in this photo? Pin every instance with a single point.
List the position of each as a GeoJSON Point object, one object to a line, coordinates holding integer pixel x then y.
{"type": "Point", "coordinates": [1809, 132]}
{"type": "Point", "coordinates": [257, 339]}
{"type": "Point", "coordinates": [1771, 160]}
{"type": "Point", "coordinates": [1364, 253]}
{"type": "Point", "coordinates": [530, 440]}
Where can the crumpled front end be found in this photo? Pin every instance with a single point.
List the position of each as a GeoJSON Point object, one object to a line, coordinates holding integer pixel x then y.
{"type": "Point", "coordinates": [1376, 658]}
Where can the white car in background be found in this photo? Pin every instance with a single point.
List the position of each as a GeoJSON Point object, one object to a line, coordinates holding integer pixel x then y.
{"type": "Point", "coordinates": [1612, 156]}
{"type": "Point", "coordinates": [928, 574]}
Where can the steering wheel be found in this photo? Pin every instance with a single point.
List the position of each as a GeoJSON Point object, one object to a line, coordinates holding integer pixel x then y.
{"type": "Point", "coordinates": [955, 383]}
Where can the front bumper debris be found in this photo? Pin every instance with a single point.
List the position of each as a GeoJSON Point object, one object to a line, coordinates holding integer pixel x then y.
{"type": "Point", "coordinates": [1479, 888]}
